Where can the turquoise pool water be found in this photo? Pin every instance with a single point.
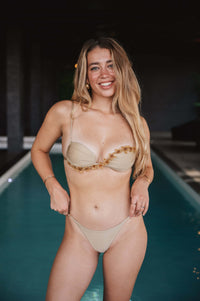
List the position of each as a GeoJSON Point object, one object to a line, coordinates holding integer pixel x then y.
{"type": "Point", "coordinates": [30, 234]}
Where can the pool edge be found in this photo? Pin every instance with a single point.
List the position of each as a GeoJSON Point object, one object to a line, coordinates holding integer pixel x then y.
{"type": "Point", "coordinates": [20, 165]}
{"type": "Point", "coordinates": [192, 196]}
{"type": "Point", "coordinates": [14, 171]}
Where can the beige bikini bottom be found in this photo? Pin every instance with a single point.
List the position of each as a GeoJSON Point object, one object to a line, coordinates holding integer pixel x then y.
{"type": "Point", "coordinates": [100, 239]}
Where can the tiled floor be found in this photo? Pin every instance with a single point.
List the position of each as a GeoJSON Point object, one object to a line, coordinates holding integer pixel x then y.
{"type": "Point", "coordinates": [183, 157]}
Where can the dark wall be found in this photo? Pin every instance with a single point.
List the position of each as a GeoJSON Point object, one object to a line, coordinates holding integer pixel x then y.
{"type": "Point", "coordinates": [166, 74]}
{"type": "Point", "coordinates": [167, 84]}
{"type": "Point", "coordinates": [2, 85]}
{"type": "Point", "coordinates": [168, 90]}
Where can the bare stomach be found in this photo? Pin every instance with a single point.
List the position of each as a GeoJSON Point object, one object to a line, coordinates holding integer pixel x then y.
{"type": "Point", "coordinates": [99, 199]}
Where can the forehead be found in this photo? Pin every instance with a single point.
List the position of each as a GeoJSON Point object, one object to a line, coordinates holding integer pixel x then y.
{"type": "Point", "coordinates": [98, 55]}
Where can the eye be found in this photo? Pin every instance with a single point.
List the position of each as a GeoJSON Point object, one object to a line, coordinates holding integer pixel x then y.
{"type": "Point", "coordinates": [110, 66]}
{"type": "Point", "coordinates": [95, 68]}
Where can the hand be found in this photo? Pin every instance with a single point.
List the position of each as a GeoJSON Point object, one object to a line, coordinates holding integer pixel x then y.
{"type": "Point", "coordinates": [139, 198]}
{"type": "Point", "coordinates": [59, 198]}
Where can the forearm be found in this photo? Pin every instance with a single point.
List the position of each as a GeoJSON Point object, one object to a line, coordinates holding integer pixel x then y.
{"type": "Point", "coordinates": [59, 199]}
{"type": "Point", "coordinates": [139, 193]}
{"type": "Point", "coordinates": [42, 163]}
{"type": "Point", "coordinates": [147, 176]}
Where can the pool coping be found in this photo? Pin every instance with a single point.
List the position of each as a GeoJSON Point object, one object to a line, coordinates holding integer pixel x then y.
{"type": "Point", "coordinates": [177, 169]}
{"type": "Point", "coordinates": [192, 196]}
{"type": "Point", "coordinates": [8, 176]}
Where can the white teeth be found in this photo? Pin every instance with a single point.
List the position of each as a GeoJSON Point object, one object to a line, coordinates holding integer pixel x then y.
{"type": "Point", "coordinates": [105, 84]}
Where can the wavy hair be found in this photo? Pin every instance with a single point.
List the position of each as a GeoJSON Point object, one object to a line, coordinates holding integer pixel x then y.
{"type": "Point", "coordinates": [127, 96]}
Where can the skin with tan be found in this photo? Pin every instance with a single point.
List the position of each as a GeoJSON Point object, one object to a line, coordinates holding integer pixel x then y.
{"type": "Point", "coordinates": [99, 199]}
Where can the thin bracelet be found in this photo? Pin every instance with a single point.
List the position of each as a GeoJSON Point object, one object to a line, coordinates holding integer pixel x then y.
{"type": "Point", "coordinates": [48, 177]}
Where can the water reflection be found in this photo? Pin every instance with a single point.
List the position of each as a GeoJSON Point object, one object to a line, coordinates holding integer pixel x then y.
{"type": "Point", "coordinates": [93, 294]}
{"type": "Point", "coordinates": [196, 272]}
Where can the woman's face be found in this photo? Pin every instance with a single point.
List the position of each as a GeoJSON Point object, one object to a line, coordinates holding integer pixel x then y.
{"type": "Point", "coordinates": [100, 73]}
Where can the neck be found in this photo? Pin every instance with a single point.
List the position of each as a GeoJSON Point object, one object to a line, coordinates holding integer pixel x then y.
{"type": "Point", "coordinates": [102, 104]}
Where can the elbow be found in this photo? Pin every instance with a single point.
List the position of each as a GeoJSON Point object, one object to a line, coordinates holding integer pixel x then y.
{"type": "Point", "coordinates": [37, 153]}
{"type": "Point", "coordinates": [34, 152]}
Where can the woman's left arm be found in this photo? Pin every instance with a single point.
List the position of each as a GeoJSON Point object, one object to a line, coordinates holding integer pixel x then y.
{"type": "Point", "coordinates": [139, 189]}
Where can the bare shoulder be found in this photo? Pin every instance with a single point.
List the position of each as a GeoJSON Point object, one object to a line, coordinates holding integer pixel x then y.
{"type": "Point", "coordinates": [58, 115]}
{"type": "Point", "coordinates": [61, 109]}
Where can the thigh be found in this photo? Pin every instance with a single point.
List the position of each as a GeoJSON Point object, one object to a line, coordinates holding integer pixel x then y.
{"type": "Point", "coordinates": [122, 261]}
{"type": "Point", "coordinates": [73, 268]}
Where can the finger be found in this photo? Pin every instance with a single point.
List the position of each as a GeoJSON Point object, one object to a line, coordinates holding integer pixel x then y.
{"type": "Point", "coordinates": [145, 209]}
{"type": "Point", "coordinates": [64, 212]}
{"type": "Point", "coordinates": [139, 209]}
{"type": "Point", "coordinates": [142, 210]}
{"type": "Point", "coordinates": [132, 209]}
{"type": "Point", "coordinates": [57, 209]}
{"type": "Point", "coordinates": [64, 209]}
{"type": "Point", "coordinates": [134, 200]}
{"type": "Point", "coordinates": [53, 208]}
{"type": "Point", "coordinates": [138, 213]}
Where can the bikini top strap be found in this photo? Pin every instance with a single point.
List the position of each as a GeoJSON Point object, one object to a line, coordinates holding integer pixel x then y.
{"type": "Point", "coordinates": [71, 120]}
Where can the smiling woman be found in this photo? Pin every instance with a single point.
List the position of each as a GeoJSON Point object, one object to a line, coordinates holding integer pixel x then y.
{"type": "Point", "coordinates": [126, 95]}
{"type": "Point", "coordinates": [103, 138]}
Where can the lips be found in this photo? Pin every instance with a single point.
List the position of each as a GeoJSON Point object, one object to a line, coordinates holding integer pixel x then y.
{"type": "Point", "coordinates": [106, 84]}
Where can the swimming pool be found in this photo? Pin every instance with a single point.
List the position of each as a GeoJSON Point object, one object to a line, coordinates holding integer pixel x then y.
{"type": "Point", "coordinates": [30, 234]}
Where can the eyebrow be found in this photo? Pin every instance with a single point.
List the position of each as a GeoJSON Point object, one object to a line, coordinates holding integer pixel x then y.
{"type": "Point", "coordinates": [97, 63]}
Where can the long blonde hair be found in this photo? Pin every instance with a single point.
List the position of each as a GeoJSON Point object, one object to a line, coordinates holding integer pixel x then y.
{"type": "Point", "coordinates": [127, 96]}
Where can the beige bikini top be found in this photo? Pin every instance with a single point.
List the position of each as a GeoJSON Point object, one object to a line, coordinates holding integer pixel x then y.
{"type": "Point", "coordinates": [81, 158]}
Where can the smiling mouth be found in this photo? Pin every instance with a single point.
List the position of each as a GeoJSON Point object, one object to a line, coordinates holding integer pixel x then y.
{"type": "Point", "coordinates": [107, 84]}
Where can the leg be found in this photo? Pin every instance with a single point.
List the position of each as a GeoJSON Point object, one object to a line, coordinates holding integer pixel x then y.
{"type": "Point", "coordinates": [122, 261]}
{"type": "Point", "coordinates": [73, 268]}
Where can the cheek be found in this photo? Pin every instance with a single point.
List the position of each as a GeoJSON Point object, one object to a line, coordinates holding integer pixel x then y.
{"type": "Point", "coordinates": [112, 73]}
{"type": "Point", "coordinates": [92, 77]}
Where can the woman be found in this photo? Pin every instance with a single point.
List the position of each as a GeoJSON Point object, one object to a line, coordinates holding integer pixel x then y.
{"type": "Point", "coordinates": [103, 138]}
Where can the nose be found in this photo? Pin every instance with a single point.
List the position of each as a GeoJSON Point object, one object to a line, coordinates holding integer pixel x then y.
{"type": "Point", "coordinates": [104, 71]}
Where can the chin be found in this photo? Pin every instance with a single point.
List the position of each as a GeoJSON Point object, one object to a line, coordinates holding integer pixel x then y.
{"type": "Point", "coordinates": [108, 93]}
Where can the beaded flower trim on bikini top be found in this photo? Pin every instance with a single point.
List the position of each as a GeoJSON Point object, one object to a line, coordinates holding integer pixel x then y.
{"type": "Point", "coordinates": [106, 161]}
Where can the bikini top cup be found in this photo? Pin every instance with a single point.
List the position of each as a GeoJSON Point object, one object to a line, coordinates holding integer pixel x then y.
{"type": "Point", "coordinates": [81, 158]}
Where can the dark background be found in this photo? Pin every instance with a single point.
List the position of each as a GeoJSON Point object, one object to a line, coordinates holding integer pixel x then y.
{"type": "Point", "coordinates": [161, 38]}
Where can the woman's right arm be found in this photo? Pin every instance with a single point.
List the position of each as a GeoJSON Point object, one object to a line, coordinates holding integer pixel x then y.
{"type": "Point", "coordinates": [49, 132]}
